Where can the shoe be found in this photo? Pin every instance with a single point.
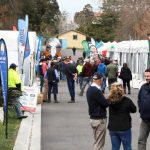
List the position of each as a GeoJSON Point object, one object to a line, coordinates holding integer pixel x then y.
{"type": "Point", "coordinates": [22, 117]}
{"type": "Point", "coordinates": [71, 102]}
{"type": "Point", "coordinates": [80, 94]}
{"type": "Point", "coordinates": [129, 92]}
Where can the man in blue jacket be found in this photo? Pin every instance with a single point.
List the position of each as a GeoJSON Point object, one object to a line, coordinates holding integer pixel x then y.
{"type": "Point", "coordinates": [144, 109]}
{"type": "Point", "coordinates": [97, 111]}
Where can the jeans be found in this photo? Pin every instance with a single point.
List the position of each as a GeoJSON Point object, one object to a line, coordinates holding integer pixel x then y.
{"type": "Point", "coordinates": [118, 137]}
{"type": "Point", "coordinates": [41, 82]}
{"type": "Point", "coordinates": [104, 83]}
{"type": "Point", "coordinates": [54, 86]}
{"type": "Point", "coordinates": [71, 88]}
{"type": "Point", "coordinates": [143, 135]}
{"type": "Point", "coordinates": [86, 80]}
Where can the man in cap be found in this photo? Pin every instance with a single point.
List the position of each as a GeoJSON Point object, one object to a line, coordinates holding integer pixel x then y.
{"type": "Point", "coordinates": [14, 90]}
{"type": "Point", "coordinates": [97, 110]}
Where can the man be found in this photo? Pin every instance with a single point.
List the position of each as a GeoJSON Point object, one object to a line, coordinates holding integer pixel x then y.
{"type": "Point", "coordinates": [112, 72]}
{"type": "Point", "coordinates": [74, 51]}
{"type": "Point", "coordinates": [14, 90]}
{"type": "Point", "coordinates": [71, 75]}
{"type": "Point", "coordinates": [53, 78]}
{"type": "Point", "coordinates": [144, 109]}
{"type": "Point", "coordinates": [97, 111]}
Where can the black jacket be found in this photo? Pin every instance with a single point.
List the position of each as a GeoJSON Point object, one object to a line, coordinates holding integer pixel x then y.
{"type": "Point", "coordinates": [144, 102]}
{"type": "Point", "coordinates": [96, 102]}
{"type": "Point", "coordinates": [125, 73]}
{"type": "Point", "coordinates": [119, 115]}
{"type": "Point", "coordinates": [70, 69]}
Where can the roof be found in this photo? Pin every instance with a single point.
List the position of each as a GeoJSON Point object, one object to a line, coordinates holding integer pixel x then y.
{"type": "Point", "coordinates": [70, 31]}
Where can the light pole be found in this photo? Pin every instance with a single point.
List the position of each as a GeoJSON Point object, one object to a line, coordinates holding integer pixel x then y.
{"type": "Point", "coordinates": [148, 62]}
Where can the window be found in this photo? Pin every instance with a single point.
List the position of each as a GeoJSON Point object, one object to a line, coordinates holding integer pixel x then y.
{"type": "Point", "coordinates": [75, 37]}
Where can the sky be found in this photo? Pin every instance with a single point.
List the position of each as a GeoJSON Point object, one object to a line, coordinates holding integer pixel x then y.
{"type": "Point", "coordinates": [73, 6]}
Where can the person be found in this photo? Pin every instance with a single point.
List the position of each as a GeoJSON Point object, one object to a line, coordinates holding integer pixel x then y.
{"type": "Point", "coordinates": [119, 124]}
{"type": "Point", "coordinates": [14, 90]}
{"type": "Point", "coordinates": [87, 73]}
{"type": "Point", "coordinates": [53, 78]}
{"type": "Point", "coordinates": [126, 76]}
{"type": "Point", "coordinates": [112, 73]}
{"type": "Point", "coordinates": [144, 110]}
{"type": "Point", "coordinates": [102, 69]}
{"type": "Point", "coordinates": [71, 75]}
{"type": "Point", "coordinates": [97, 105]}
{"type": "Point", "coordinates": [74, 51]}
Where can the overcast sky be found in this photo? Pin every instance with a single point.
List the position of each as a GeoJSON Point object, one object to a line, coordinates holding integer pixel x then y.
{"type": "Point", "coordinates": [72, 6]}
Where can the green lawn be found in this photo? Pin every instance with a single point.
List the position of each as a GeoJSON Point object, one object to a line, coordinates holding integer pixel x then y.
{"type": "Point", "coordinates": [13, 126]}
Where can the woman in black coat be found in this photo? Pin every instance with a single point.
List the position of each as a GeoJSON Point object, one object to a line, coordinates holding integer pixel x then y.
{"type": "Point", "coordinates": [126, 76]}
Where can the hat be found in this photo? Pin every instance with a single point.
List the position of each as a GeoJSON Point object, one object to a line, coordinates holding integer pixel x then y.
{"type": "Point", "coordinates": [97, 76]}
{"type": "Point", "coordinates": [13, 66]}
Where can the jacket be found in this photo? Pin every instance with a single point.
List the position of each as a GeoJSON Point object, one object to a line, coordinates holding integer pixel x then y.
{"type": "Point", "coordinates": [119, 114]}
{"type": "Point", "coordinates": [144, 101]}
{"type": "Point", "coordinates": [97, 103]}
{"type": "Point", "coordinates": [125, 74]}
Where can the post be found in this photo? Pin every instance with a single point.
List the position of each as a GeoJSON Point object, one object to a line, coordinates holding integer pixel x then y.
{"type": "Point", "coordinates": [148, 61]}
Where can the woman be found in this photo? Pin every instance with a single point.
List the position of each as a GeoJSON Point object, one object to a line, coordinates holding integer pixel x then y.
{"type": "Point", "coordinates": [126, 76]}
{"type": "Point", "coordinates": [119, 117]}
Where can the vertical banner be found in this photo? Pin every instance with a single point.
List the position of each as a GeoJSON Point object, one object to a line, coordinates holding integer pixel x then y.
{"type": "Point", "coordinates": [40, 40]}
{"type": "Point", "coordinates": [22, 40]}
{"type": "Point", "coordinates": [86, 47]}
{"type": "Point", "coordinates": [4, 77]}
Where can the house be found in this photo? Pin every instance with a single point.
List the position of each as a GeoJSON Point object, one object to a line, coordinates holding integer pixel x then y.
{"type": "Point", "coordinates": [74, 38]}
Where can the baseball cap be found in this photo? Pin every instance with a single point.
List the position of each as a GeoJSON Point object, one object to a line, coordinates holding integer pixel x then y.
{"type": "Point", "coordinates": [13, 66]}
{"type": "Point", "coordinates": [97, 76]}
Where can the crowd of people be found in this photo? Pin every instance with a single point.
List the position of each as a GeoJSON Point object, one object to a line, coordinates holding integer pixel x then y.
{"type": "Point", "coordinates": [94, 72]}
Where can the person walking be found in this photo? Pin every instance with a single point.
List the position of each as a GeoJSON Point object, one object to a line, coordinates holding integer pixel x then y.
{"type": "Point", "coordinates": [126, 76]}
{"type": "Point", "coordinates": [144, 109]}
{"type": "Point", "coordinates": [97, 104]}
{"type": "Point", "coordinates": [71, 75]}
{"type": "Point", "coordinates": [119, 124]}
{"type": "Point", "coordinates": [74, 51]}
{"type": "Point", "coordinates": [103, 70]}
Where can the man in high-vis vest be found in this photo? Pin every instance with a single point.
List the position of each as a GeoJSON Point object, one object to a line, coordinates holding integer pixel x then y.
{"type": "Point", "coordinates": [14, 90]}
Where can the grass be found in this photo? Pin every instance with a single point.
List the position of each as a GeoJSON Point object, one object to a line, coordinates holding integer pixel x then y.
{"type": "Point", "coordinates": [13, 126]}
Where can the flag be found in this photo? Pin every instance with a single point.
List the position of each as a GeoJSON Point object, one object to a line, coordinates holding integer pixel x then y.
{"type": "Point", "coordinates": [27, 47]}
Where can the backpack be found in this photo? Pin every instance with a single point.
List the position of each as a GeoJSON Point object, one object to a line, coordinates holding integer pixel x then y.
{"type": "Point", "coordinates": [51, 74]}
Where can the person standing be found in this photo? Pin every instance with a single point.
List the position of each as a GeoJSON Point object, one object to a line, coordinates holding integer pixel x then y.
{"type": "Point", "coordinates": [144, 109]}
{"type": "Point", "coordinates": [126, 76]}
{"type": "Point", "coordinates": [119, 124]}
{"type": "Point", "coordinates": [74, 51]}
{"type": "Point", "coordinates": [71, 75]}
{"type": "Point", "coordinates": [97, 110]}
{"type": "Point", "coordinates": [53, 78]}
{"type": "Point", "coordinates": [112, 73]}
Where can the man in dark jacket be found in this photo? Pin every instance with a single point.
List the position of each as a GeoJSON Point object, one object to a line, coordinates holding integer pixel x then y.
{"type": "Point", "coordinates": [97, 111]}
{"type": "Point", "coordinates": [144, 109]}
{"type": "Point", "coordinates": [71, 75]}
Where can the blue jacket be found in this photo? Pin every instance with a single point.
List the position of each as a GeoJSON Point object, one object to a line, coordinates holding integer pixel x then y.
{"type": "Point", "coordinates": [144, 101]}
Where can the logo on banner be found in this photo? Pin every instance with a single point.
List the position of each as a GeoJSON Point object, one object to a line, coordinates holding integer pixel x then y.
{"type": "Point", "coordinates": [2, 49]}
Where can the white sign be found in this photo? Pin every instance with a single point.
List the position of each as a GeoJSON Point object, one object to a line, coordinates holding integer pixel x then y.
{"type": "Point", "coordinates": [29, 99]}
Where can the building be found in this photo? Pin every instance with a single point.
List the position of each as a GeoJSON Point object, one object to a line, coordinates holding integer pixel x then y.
{"type": "Point", "coordinates": [73, 38]}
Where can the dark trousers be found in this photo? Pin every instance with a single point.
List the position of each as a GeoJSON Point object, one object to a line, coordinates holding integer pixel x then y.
{"type": "Point", "coordinates": [111, 81]}
{"type": "Point", "coordinates": [126, 83]}
{"type": "Point", "coordinates": [71, 88]}
{"type": "Point", "coordinates": [52, 86]}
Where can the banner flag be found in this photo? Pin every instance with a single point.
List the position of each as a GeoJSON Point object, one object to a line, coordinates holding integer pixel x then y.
{"type": "Point", "coordinates": [40, 40]}
{"type": "Point", "coordinates": [27, 47]}
{"type": "Point", "coordinates": [4, 76]}
{"type": "Point", "coordinates": [85, 45]}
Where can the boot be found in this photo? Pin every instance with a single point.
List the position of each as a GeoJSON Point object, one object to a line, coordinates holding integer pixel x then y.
{"type": "Point", "coordinates": [129, 92]}
{"type": "Point", "coordinates": [55, 99]}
